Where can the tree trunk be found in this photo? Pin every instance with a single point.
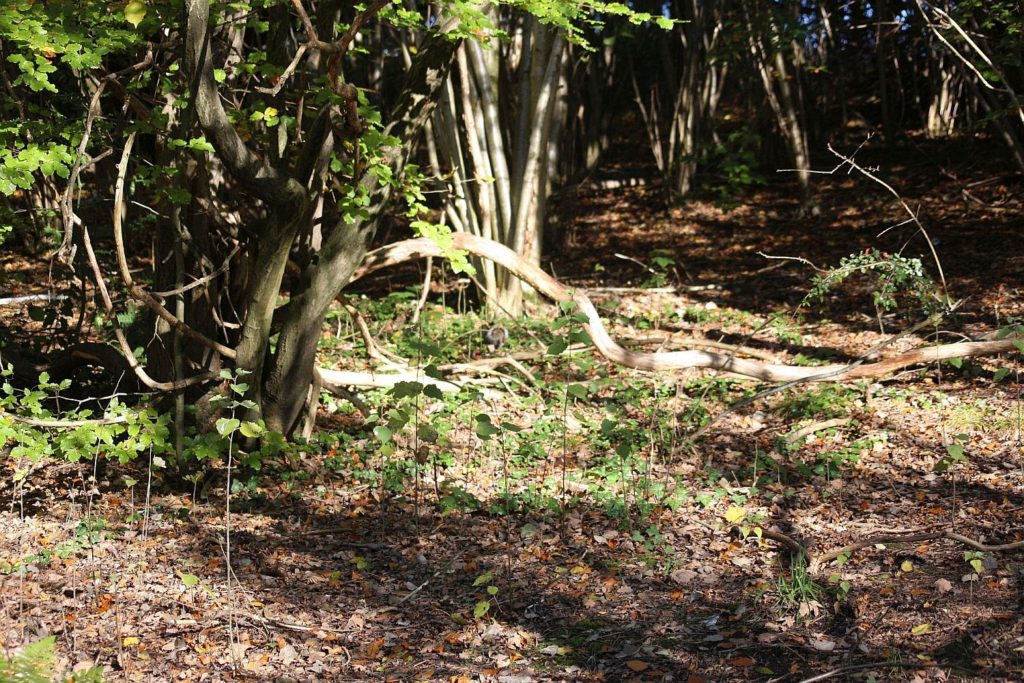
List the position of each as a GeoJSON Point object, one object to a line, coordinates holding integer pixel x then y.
{"type": "Point", "coordinates": [290, 373]}
{"type": "Point", "coordinates": [497, 162]}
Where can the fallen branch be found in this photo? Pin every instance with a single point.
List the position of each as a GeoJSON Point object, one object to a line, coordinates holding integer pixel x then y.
{"type": "Point", "coordinates": [821, 560]}
{"type": "Point", "coordinates": [372, 349]}
{"type": "Point", "coordinates": [30, 299]}
{"type": "Point", "coordinates": [699, 343]}
{"type": "Point", "coordinates": [815, 427]}
{"type": "Point", "coordinates": [400, 252]}
{"type": "Point", "coordinates": [381, 380]}
{"type": "Point", "coordinates": [817, 562]}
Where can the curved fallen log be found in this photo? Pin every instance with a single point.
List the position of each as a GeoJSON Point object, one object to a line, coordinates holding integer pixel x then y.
{"type": "Point", "coordinates": [407, 250]}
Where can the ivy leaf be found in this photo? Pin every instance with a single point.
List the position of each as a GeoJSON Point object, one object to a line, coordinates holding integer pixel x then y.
{"type": "Point", "coordinates": [135, 12]}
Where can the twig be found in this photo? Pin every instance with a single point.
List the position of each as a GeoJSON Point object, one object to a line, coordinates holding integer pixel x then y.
{"type": "Point", "coordinates": [283, 78]}
{"type": "Point", "coordinates": [342, 392]}
{"type": "Point", "coordinates": [340, 45]}
{"type": "Point", "coordinates": [66, 250]}
{"type": "Point", "coordinates": [372, 349]}
{"type": "Point", "coordinates": [204, 279]}
{"type": "Point", "coordinates": [447, 565]}
{"type": "Point", "coordinates": [136, 290]}
{"type": "Point", "coordinates": [108, 307]}
{"type": "Point", "coordinates": [799, 259]}
{"type": "Point", "coordinates": [423, 295]}
{"type": "Point", "coordinates": [699, 343]}
{"type": "Point", "coordinates": [869, 665]}
{"type": "Point", "coordinates": [913, 216]}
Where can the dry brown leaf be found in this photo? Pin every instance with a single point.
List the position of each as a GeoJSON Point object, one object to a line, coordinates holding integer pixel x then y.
{"type": "Point", "coordinates": [637, 665]}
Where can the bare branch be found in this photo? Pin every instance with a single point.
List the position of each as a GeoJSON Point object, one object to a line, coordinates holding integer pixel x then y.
{"type": "Point", "coordinates": [673, 360]}
{"type": "Point", "coordinates": [135, 290]}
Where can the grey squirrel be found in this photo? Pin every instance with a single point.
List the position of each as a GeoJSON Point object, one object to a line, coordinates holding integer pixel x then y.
{"type": "Point", "coordinates": [495, 337]}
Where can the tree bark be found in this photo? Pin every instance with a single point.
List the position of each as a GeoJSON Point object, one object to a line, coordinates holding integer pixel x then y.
{"type": "Point", "coordinates": [290, 373]}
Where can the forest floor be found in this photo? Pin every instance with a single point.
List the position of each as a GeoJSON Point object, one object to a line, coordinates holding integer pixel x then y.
{"type": "Point", "coordinates": [582, 538]}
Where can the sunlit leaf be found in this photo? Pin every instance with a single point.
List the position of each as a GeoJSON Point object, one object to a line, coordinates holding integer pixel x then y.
{"type": "Point", "coordinates": [735, 515]}
{"type": "Point", "coordinates": [135, 12]}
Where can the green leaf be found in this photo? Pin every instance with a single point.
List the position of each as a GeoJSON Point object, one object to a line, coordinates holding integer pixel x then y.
{"type": "Point", "coordinates": [482, 579]}
{"type": "Point", "coordinates": [135, 12]}
{"type": "Point", "coordinates": [1019, 344]}
{"type": "Point", "coordinates": [219, 75]}
{"type": "Point", "coordinates": [956, 362]}
{"type": "Point", "coordinates": [251, 430]}
{"type": "Point", "coordinates": [921, 629]}
{"type": "Point", "coordinates": [558, 346]}
{"type": "Point", "coordinates": [382, 433]}
{"type": "Point", "coordinates": [406, 389]}
{"type": "Point", "coordinates": [190, 580]}
{"type": "Point", "coordinates": [577, 390]}
{"type": "Point", "coordinates": [492, 590]}
{"type": "Point", "coordinates": [1000, 374]}
{"type": "Point", "coordinates": [485, 429]}
{"type": "Point", "coordinates": [481, 609]}
{"type": "Point", "coordinates": [227, 425]}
